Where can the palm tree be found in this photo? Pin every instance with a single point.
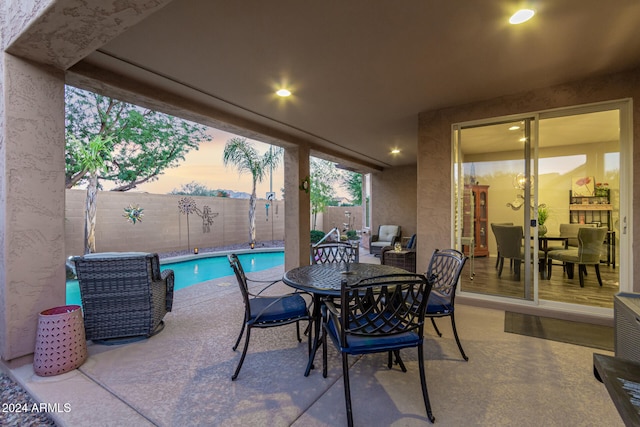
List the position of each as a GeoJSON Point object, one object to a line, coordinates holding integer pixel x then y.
{"type": "Point", "coordinates": [241, 154]}
{"type": "Point", "coordinates": [92, 158]}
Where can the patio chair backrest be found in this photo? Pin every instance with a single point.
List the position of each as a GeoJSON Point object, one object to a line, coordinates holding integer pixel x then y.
{"type": "Point", "coordinates": [241, 277]}
{"type": "Point", "coordinates": [444, 271]}
{"type": "Point", "coordinates": [384, 305]}
{"type": "Point", "coordinates": [387, 233]}
{"type": "Point", "coordinates": [336, 252]}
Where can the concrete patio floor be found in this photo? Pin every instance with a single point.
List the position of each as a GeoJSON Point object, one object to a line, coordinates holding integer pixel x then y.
{"type": "Point", "coordinates": [181, 377]}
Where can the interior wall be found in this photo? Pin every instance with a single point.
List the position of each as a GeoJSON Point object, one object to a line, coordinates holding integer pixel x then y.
{"type": "Point", "coordinates": [435, 156]}
{"type": "Point", "coordinates": [394, 199]}
{"type": "Point", "coordinates": [553, 187]}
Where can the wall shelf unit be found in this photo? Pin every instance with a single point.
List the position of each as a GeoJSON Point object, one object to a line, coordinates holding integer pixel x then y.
{"type": "Point", "coordinates": [595, 210]}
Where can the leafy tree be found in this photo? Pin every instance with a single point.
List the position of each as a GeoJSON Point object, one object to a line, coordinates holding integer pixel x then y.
{"type": "Point", "coordinates": [196, 189]}
{"type": "Point", "coordinates": [115, 141]}
{"type": "Point", "coordinates": [142, 143]}
{"type": "Point", "coordinates": [323, 176]}
{"type": "Point", "coordinates": [352, 182]}
{"type": "Point", "coordinates": [242, 154]}
{"type": "Point", "coordinates": [91, 157]}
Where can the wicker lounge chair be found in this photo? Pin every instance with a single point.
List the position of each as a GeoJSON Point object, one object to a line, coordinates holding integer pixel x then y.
{"type": "Point", "coordinates": [387, 236]}
{"type": "Point", "coordinates": [124, 295]}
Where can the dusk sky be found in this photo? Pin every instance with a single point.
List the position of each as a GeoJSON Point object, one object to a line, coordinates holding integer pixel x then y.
{"type": "Point", "coordinates": [205, 167]}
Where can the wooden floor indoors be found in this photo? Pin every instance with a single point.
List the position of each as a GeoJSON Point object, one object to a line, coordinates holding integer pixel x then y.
{"type": "Point", "coordinates": [559, 288]}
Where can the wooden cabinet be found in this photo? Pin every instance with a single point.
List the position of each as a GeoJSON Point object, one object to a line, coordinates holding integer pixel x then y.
{"type": "Point", "coordinates": [475, 222]}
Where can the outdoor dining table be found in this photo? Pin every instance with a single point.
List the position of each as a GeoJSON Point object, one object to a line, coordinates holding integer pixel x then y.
{"type": "Point", "coordinates": [324, 280]}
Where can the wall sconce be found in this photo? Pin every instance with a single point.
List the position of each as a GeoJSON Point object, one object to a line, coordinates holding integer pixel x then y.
{"type": "Point", "coordinates": [195, 251]}
{"type": "Point", "coordinates": [305, 184]}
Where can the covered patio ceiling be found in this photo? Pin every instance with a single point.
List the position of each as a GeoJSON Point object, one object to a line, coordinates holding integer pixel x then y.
{"type": "Point", "coordinates": [362, 70]}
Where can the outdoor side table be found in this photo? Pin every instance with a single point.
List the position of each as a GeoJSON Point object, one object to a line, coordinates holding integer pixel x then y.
{"type": "Point", "coordinates": [61, 345]}
{"type": "Point", "coordinates": [401, 259]}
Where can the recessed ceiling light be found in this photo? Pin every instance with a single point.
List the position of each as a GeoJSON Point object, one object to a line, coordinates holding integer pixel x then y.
{"type": "Point", "coordinates": [395, 151]}
{"type": "Point", "coordinates": [283, 92]}
{"type": "Point", "coordinates": [523, 15]}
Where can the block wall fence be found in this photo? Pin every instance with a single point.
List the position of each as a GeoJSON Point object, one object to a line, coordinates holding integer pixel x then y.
{"type": "Point", "coordinates": [164, 228]}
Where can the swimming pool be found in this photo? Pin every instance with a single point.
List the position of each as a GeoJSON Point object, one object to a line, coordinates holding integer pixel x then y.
{"type": "Point", "coordinates": [201, 269]}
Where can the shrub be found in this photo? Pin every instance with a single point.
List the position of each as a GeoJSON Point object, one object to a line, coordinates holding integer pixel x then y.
{"type": "Point", "coordinates": [316, 235]}
{"type": "Point", "coordinates": [352, 235]}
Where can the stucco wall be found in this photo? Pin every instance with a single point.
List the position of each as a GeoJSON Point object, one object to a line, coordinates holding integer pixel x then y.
{"type": "Point", "coordinates": [163, 227]}
{"type": "Point", "coordinates": [393, 199]}
{"type": "Point", "coordinates": [334, 216]}
{"type": "Point", "coordinates": [434, 146]}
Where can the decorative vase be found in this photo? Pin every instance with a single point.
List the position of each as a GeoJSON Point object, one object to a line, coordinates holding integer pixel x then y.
{"type": "Point", "coordinates": [542, 229]}
{"type": "Point", "coordinates": [61, 345]}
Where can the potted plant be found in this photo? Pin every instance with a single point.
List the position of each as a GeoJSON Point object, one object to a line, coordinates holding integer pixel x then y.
{"type": "Point", "coordinates": [352, 235]}
{"type": "Point", "coordinates": [543, 215]}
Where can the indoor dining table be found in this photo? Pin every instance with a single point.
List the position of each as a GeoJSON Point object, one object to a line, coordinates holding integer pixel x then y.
{"type": "Point", "coordinates": [325, 280]}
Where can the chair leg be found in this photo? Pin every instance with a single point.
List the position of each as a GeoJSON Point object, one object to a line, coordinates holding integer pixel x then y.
{"type": "Point", "coordinates": [598, 274]}
{"type": "Point", "coordinates": [324, 353]}
{"type": "Point", "coordinates": [298, 331]}
{"type": "Point", "coordinates": [309, 337]}
{"type": "Point", "coordinates": [347, 389]}
{"type": "Point", "coordinates": [517, 269]}
{"type": "Point", "coordinates": [500, 266]}
{"type": "Point", "coordinates": [244, 353]}
{"type": "Point", "coordinates": [569, 268]}
{"type": "Point", "coordinates": [498, 260]}
{"type": "Point", "coordinates": [423, 383]}
{"type": "Point", "coordinates": [399, 360]}
{"type": "Point", "coordinates": [581, 274]}
{"type": "Point", "coordinates": [455, 334]}
{"type": "Point", "coordinates": [244, 324]}
{"type": "Point", "coordinates": [433, 322]}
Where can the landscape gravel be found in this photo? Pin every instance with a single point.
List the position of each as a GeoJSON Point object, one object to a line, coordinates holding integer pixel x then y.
{"type": "Point", "coordinates": [18, 409]}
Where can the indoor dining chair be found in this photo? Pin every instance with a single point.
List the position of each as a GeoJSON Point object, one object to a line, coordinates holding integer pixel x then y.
{"type": "Point", "coordinates": [379, 314]}
{"type": "Point", "coordinates": [588, 252]}
{"type": "Point", "coordinates": [266, 311]}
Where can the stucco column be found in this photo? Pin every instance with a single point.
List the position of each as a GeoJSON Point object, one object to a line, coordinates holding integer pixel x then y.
{"type": "Point", "coordinates": [32, 272]}
{"type": "Point", "coordinates": [297, 218]}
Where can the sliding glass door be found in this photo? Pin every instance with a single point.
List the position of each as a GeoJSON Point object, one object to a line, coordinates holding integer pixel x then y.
{"type": "Point", "coordinates": [524, 186]}
{"type": "Point", "coordinates": [495, 203]}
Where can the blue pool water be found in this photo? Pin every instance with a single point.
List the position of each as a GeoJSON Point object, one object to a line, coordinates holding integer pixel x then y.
{"type": "Point", "coordinates": [199, 270]}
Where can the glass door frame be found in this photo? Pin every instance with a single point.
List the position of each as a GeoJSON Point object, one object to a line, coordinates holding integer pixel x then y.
{"type": "Point", "coordinates": [530, 169]}
{"type": "Point", "coordinates": [625, 108]}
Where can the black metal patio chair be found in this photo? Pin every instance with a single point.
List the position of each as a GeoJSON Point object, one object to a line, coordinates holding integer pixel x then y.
{"type": "Point", "coordinates": [334, 252]}
{"type": "Point", "coordinates": [266, 311]}
{"type": "Point", "coordinates": [377, 315]}
{"type": "Point", "coordinates": [443, 272]}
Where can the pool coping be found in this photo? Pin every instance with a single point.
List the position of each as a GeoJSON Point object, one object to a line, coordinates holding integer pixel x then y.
{"type": "Point", "coordinates": [190, 257]}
